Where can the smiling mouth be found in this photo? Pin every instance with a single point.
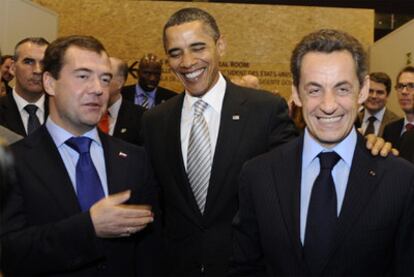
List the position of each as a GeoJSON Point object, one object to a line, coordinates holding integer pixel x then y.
{"type": "Point", "coordinates": [193, 76]}
{"type": "Point", "coordinates": [331, 119]}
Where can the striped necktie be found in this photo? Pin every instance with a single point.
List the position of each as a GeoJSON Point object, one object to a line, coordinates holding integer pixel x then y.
{"type": "Point", "coordinates": [199, 155]}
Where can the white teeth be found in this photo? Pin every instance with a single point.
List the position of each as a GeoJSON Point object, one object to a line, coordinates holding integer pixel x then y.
{"type": "Point", "coordinates": [330, 119]}
{"type": "Point", "coordinates": [194, 74]}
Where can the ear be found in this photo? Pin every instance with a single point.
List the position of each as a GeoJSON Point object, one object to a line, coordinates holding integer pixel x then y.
{"type": "Point", "coordinates": [13, 67]}
{"type": "Point", "coordinates": [221, 46]}
{"type": "Point", "coordinates": [296, 96]}
{"type": "Point", "coordinates": [49, 83]}
{"type": "Point", "coordinates": [364, 91]}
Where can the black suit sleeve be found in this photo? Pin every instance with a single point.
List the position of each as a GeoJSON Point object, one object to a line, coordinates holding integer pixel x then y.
{"type": "Point", "coordinates": [63, 244]}
{"type": "Point", "coordinates": [247, 257]}
{"type": "Point", "coordinates": [281, 127]}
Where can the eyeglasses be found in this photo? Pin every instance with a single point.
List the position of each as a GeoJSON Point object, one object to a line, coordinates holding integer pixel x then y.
{"type": "Point", "coordinates": [400, 87]}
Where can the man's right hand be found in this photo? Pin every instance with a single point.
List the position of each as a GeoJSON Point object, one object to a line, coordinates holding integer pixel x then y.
{"type": "Point", "coordinates": [112, 219]}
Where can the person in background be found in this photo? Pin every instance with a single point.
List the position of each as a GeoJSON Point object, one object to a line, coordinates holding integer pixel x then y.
{"type": "Point", "coordinates": [7, 76]}
{"type": "Point", "coordinates": [146, 92]}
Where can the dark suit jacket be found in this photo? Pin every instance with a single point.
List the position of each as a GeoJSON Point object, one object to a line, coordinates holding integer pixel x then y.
{"type": "Point", "coordinates": [128, 122]}
{"type": "Point", "coordinates": [407, 146]}
{"type": "Point", "coordinates": [161, 95]}
{"type": "Point", "coordinates": [252, 122]}
{"type": "Point", "coordinates": [375, 227]}
{"type": "Point", "coordinates": [389, 117]}
{"type": "Point", "coordinates": [392, 132]}
{"type": "Point", "coordinates": [45, 232]}
{"type": "Point", "coordinates": [10, 116]}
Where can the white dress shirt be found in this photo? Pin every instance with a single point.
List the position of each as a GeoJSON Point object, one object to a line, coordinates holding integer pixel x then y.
{"type": "Point", "coordinates": [214, 98]}
{"type": "Point", "coordinates": [21, 103]}
{"type": "Point", "coordinates": [113, 115]}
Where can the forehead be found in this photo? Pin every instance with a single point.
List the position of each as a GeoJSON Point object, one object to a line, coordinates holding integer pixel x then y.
{"type": "Point", "coordinates": [188, 31]}
{"type": "Point", "coordinates": [337, 66]}
{"type": "Point", "coordinates": [84, 58]}
{"type": "Point", "coordinates": [150, 66]}
{"type": "Point", "coordinates": [406, 77]}
{"type": "Point", "coordinates": [376, 84]}
{"type": "Point", "coordinates": [29, 49]}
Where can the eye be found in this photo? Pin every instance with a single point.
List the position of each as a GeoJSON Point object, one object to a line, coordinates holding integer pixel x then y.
{"type": "Point", "coordinates": [82, 76]}
{"type": "Point", "coordinates": [28, 61]}
{"type": "Point", "coordinates": [106, 80]}
{"type": "Point", "coordinates": [314, 91]}
{"type": "Point", "coordinates": [174, 53]}
{"type": "Point", "coordinates": [198, 48]}
{"type": "Point", "coordinates": [343, 90]}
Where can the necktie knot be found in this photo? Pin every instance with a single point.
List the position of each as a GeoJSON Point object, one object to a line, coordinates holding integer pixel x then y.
{"type": "Point", "coordinates": [31, 109]}
{"type": "Point", "coordinates": [328, 160]}
{"type": "Point", "coordinates": [372, 119]}
{"type": "Point", "coordinates": [79, 144]}
{"type": "Point", "coordinates": [199, 107]}
{"type": "Point", "coordinates": [409, 126]}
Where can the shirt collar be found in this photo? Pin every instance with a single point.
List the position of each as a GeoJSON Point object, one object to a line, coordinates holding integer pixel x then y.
{"type": "Point", "coordinates": [378, 115]}
{"type": "Point", "coordinates": [60, 135]}
{"type": "Point", "coordinates": [311, 148]}
{"type": "Point", "coordinates": [214, 97]}
{"type": "Point", "coordinates": [21, 102]}
{"type": "Point", "coordinates": [114, 108]}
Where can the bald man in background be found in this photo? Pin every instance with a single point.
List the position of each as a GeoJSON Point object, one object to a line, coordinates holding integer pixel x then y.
{"type": "Point", "coordinates": [123, 119]}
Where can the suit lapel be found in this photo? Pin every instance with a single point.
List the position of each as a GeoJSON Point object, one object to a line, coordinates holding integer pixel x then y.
{"type": "Point", "coordinates": [362, 182]}
{"type": "Point", "coordinates": [233, 120]}
{"type": "Point", "coordinates": [12, 116]}
{"type": "Point", "coordinates": [122, 117]}
{"type": "Point", "coordinates": [287, 177]}
{"type": "Point", "coordinates": [51, 170]}
{"type": "Point", "coordinates": [116, 161]}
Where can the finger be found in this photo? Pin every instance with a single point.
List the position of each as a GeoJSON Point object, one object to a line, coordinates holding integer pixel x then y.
{"type": "Point", "coordinates": [386, 149]}
{"type": "Point", "coordinates": [395, 152]}
{"type": "Point", "coordinates": [370, 141]}
{"type": "Point", "coordinates": [127, 212]}
{"type": "Point", "coordinates": [120, 197]}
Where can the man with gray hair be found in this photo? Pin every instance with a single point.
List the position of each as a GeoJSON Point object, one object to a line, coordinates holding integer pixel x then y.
{"type": "Point", "coordinates": [322, 205]}
{"type": "Point", "coordinates": [25, 109]}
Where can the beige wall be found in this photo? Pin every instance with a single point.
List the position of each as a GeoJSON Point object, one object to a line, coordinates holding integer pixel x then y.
{"type": "Point", "coordinates": [259, 37]}
{"type": "Point", "coordinates": [390, 54]}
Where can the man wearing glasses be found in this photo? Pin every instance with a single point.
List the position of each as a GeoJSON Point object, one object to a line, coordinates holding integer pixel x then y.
{"type": "Point", "coordinates": [395, 131]}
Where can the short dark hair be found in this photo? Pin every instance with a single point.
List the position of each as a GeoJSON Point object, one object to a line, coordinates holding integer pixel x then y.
{"type": "Point", "coordinates": [55, 53]}
{"type": "Point", "coordinates": [189, 15]}
{"type": "Point", "coordinates": [328, 41]}
{"type": "Point", "coordinates": [408, 68]}
{"type": "Point", "coordinates": [4, 58]}
{"type": "Point", "coordinates": [382, 78]}
{"type": "Point", "coordinates": [35, 40]}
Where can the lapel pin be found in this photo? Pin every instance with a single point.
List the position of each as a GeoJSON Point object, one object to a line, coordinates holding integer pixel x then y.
{"type": "Point", "coordinates": [122, 154]}
{"type": "Point", "coordinates": [372, 173]}
{"type": "Point", "coordinates": [235, 117]}
{"type": "Point", "coordinates": [123, 130]}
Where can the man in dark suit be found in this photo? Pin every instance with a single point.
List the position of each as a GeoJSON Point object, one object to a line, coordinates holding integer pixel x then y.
{"type": "Point", "coordinates": [375, 114]}
{"type": "Point", "coordinates": [25, 109]}
{"type": "Point", "coordinates": [405, 93]}
{"type": "Point", "coordinates": [146, 92]}
{"type": "Point", "coordinates": [321, 205]}
{"type": "Point", "coordinates": [241, 122]}
{"type": "Point", "coordinates": [123, 119]}
{"type": "Point", "coordinates": [74, 207]}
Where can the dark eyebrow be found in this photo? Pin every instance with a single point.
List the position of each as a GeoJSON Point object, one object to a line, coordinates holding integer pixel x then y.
{"type": "Point", "coordinates": [313, 84]}
{"type": "Point", "coordinates": [83, 69]}
{"type": "Point", "coordinates": [197, 44]}
{"type": "Point", "coordinates": [343, 83]}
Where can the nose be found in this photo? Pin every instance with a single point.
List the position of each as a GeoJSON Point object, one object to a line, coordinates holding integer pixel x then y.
{"type": "Point", "coordinates": [37, 68]}
{"type": "Point", "coordinates": [187, 60]}
{"type": "Point", "coordinates": [328, 103]}
{"type": "Point", "coordinates": [96, 86]}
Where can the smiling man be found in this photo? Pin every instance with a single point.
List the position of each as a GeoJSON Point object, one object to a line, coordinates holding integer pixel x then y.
{"type": "Point", "coordinates": [198, 142]}
{"type": "Point", "coordinates": [25, 109]}
{"type": "Point", "coordinates": [73, 209]}
{"type": "Point", "coordinates": [321, 205]}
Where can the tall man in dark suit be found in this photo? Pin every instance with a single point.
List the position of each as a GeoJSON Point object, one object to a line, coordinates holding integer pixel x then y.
{"type": "Point", "coordinates": [74, 207]}
{"type": "Point", "coordinates": [123, 119]}
{"type": "Point", "coordinates": [239, 123]}
{"type": "Point", "coordinates": [394, 131]}
{"type": "Point", "coordinates": [146, 92]}
{"type": "Point", "coordinates": [26, 109]}
{"type": "Point", "coordinates": [376, 115]}
{"type": "Point", "coordinates": [321, 205]}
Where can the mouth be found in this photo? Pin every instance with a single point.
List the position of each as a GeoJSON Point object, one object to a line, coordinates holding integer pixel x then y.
{"type": "Point", "coordinates": [329, 119]}
{"type": "Point", "coordinates": [194, 75]}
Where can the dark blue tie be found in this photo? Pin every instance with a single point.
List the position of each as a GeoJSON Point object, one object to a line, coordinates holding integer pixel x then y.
{"type": "Point", "coordinates": [33, 122]}
{"type": "Point", "coordinates": [88, 184]}
{"type": "Point", "coordinates": [322, 214]}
